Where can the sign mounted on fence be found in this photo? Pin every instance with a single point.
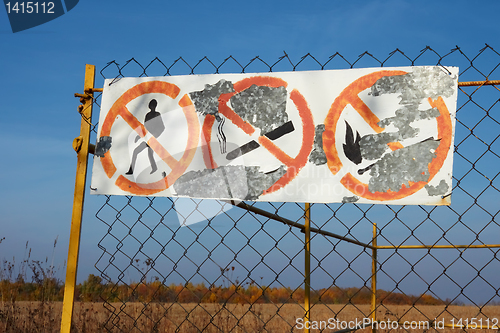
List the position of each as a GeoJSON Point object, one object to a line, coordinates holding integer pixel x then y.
{"type": "Point", "coordinates": [358, 135]}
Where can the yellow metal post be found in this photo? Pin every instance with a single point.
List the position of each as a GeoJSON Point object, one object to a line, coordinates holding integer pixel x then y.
{"type": "Point", "coordinates": [81, 145]}
{"type": "Point", "coordinates": [373, 306]}
{"type": "Point", "coordinates": [307, 269]}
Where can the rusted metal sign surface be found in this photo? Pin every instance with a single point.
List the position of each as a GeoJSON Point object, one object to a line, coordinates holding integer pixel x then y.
{"type": "Point", "coordinates": [359, 135]}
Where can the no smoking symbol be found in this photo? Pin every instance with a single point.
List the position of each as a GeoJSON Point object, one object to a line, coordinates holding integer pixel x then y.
{"type": "Point", "coordinates": [293, 164]}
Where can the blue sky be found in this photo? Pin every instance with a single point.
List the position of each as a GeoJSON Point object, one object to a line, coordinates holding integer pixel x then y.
{"type": "Point", "coordinates": [41, 68]}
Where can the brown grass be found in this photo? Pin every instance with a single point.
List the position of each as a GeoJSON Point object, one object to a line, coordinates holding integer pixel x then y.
{"type": "Point", "coordinates": [191, 317]}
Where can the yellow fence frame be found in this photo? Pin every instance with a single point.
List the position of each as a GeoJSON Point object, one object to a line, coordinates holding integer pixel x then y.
{"type": "Point", "coordinates": [82, 146]}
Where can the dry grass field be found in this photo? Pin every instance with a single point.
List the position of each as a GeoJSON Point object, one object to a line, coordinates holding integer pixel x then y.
{"type": "Point", "coordinates": [208, 317]}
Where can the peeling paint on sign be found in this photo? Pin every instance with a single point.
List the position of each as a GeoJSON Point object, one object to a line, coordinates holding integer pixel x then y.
{"type": "Point", "coordinates": [413, 89]}
{"type": "Point", "coordinates": [420, 83]}
{"type": "Point", "coordinates": [441, 189]}
{"type": "Point", "coordinates": [102, 146]}
{"type": "Point", "coordinates": [318, 154]}
{"type": "Point", "coordinates": [402, 166]}
{"type": "Point", "coordinates": [206, 101]}
{"type": "Point", "coordinates": [263, 107]}
{"type": "Point", "coordinates": [350, 199]}
{"type": "Point", "coordinates": [227, 182]}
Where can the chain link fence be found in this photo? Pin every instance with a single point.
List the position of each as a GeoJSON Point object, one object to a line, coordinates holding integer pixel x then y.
{"type": "Point", "coordinates": [242, 270]}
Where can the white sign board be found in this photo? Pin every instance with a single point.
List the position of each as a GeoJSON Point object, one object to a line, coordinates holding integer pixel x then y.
{"type": "Point", "coordinates": [377, 135]}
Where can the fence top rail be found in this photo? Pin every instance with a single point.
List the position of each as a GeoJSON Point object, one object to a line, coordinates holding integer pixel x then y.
{"type": "Point", "coordinates": [479, 83]}
{"type": "Point", "coordinates": [479, 246]}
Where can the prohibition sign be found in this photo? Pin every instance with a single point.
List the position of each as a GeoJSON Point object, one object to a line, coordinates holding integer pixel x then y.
{"type": "Point", "coordinates": [294, 164]}
{"type": "Point", "coordinates": [350, 96]}
{"type": "Point", "coordinates": [177, 167]}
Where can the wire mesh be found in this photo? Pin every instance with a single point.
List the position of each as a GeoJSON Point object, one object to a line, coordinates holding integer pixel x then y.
{"type": "Point", "coordinates": [238, 271]}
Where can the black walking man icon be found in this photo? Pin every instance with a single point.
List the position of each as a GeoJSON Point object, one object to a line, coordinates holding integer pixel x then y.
{"type": "Point", "coordinates": [155, 126]}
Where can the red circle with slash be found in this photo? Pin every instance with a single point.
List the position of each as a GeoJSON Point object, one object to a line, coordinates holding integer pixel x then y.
{"type": "Point", "coordinates": [350, 96]}
{"type": "Point", "coordinates": [294, 164]}
{"type": "Point", "coordinates": [178, 167]}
